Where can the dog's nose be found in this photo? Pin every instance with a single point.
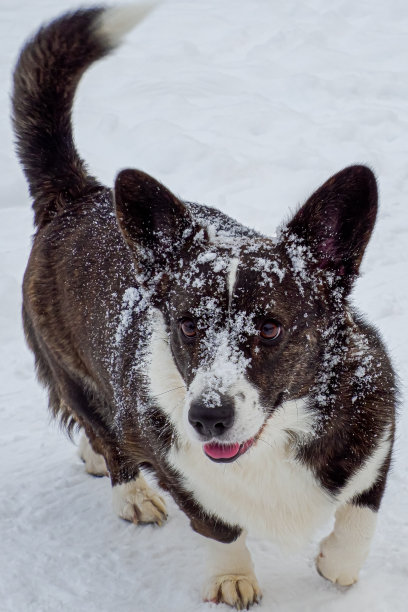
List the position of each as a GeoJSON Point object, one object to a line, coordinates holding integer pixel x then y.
{"type": "Point", "coordinates": [210, 422]}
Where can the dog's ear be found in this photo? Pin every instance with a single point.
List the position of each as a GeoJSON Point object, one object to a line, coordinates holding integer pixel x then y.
{"type": "Point", "coordinates": [336, 222]}
{"type": "Point", "coordinates": [153, 221]}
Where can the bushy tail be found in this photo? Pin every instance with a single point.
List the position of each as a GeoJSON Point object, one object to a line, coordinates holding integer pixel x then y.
{"type": "Point", "coordinates": [45, 79]}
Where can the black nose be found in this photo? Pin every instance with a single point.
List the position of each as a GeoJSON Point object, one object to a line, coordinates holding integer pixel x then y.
{"type": "Point", "coordinates": [210, 422]}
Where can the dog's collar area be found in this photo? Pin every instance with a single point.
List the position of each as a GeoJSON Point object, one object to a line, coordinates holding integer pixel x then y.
{"type": "Point", "coordinates": [226, 453]}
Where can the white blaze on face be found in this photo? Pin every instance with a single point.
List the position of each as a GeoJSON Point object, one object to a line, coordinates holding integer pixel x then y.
{"type": "Point", "coordinates": [232, 278]}
{"type": "Point", "coordinates": [222, 370]}
{"type": "Point", "coordinates": [224, 373]}
{"type": "Point", "coordinates": [223, 365]}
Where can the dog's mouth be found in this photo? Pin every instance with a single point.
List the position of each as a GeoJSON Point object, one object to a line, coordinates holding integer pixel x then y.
{"type": "Point", "coordinates": [226, 453]}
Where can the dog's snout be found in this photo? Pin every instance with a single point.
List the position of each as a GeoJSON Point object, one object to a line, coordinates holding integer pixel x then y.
{"type": "Point", "coordinates": [211, 422]}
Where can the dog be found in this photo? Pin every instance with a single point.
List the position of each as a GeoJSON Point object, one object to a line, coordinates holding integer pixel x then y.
{"type": "Point", "coordinates": [230, 364]}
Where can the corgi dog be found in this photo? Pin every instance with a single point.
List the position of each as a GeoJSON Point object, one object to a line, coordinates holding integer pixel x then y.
{"type": "Point", "coordinates": [229, 363]}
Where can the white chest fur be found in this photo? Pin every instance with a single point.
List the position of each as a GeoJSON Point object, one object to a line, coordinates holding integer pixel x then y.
{"type": "Point", "coordinates": [266, 491]}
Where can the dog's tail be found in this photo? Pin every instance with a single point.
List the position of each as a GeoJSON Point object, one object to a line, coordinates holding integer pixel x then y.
{"type": "Point", "coordinates": [45, 79]}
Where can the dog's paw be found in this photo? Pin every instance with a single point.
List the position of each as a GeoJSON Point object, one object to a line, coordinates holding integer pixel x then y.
{"type": "Point", "coordinates": [136, 502]}
{"type": "Point", "coordinates": [94, 463]}
{"type": "Point", "coordinates": [337, 564]}
{"type": "Point", "coordinates": [237, 590]}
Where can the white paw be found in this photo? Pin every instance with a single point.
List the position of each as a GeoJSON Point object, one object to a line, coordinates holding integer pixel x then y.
{"type": "Point", "coordinates": [136, 502]}
{"type": "Point", "coordinates": [344, 551]}
{"type": "Point", "coordinates": [94, 463]}
{"type": "Point", "coordinates": [237, 590]}
{"type": "Point", "coordinates": [337, 563]}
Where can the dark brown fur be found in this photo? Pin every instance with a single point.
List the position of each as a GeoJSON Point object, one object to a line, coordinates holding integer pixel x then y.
{"type": "Point", "coordinates": [84, 260]}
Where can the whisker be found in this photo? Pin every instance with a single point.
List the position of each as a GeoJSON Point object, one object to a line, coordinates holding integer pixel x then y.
{"type": "Point", "coordinates": [238, 463]}
{"type": "Point", "coordinates": [169, 391]}
{"type": "Point", "coordinates": [265, 442]}
{"type": "Point", "coordinates": [166, 340]}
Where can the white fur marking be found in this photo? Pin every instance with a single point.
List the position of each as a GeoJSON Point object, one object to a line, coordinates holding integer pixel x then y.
{"type": "Point", "coordinates": [368, 472]}
{"type": "Point", "coordinates": [232, 277]}
{"type": "Point", "coordinates": [266, 491]}
{"type": "Point", "coordinates": [114, 23]}
{"type": "Point", "coordinates": [344, 551]}
{"type": "Point", "coordinates": [94, 463]}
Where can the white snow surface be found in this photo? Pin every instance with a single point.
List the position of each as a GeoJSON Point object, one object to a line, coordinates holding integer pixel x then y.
{"type": "Point", "coordinates": [247, 105]}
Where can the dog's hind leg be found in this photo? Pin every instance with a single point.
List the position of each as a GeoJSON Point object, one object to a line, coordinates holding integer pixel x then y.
{"type": "Point", "coordinates": [95, 463]}
{"type": "Point", "coordinates": [231, 577]}
{"type": "Point", "coordinates": [133, 499]}
{"type": "Point", "coordinates": [137, 502]}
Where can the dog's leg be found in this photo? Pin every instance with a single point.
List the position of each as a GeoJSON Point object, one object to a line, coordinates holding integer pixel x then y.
{"type": "Point", "coordinates": [230, 574]}
{"type": "Point", "coordinates": [135, 501]}
{"type": "Point", "coordinates": [344, 551]}
{"type": "Point", "coordinates": [94, 462]}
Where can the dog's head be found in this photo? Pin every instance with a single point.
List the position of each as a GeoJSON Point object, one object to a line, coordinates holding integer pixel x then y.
{"type": "Point", "coordinates": [240, 319]}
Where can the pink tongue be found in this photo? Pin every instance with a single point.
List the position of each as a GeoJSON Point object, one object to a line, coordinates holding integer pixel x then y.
{"type": "Point", "coordinates": [221, 451]}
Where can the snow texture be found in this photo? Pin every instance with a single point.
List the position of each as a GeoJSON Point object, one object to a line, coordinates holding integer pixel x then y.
{"type": "Point", "coordinates": [248, 106]}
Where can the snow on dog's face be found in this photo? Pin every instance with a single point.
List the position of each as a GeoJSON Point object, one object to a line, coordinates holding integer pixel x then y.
{"type": "Point", "coordinates": [230, 313]}
{"type": "Point", "coordinates": [238, 318]}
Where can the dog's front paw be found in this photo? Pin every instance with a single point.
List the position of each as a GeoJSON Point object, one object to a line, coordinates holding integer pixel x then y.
{"type": "Point", "coordinates": [336, 563]}
{"type": "Point", "coordinates": [239, 591]}
{"type": "Point", "coordinates": [136, 502]}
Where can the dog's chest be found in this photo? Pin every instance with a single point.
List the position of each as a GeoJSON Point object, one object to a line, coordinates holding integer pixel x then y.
{"type": "Point", "coordinates": [267, 492]}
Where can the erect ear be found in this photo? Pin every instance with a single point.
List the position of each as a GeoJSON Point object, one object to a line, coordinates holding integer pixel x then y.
{"type": "Point", "coordinates": [153, 221]}
{"type": "Point", "coordinates": [337, 220]}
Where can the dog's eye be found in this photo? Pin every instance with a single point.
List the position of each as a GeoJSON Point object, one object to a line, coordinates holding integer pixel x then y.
{"type": "Point", "coordinates": [270, 330]}
{"type": "Point", "coordinates": [188, 327]}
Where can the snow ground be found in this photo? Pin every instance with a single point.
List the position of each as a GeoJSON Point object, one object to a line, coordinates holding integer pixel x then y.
{"type": "Point", "coordinates": [248, 106]}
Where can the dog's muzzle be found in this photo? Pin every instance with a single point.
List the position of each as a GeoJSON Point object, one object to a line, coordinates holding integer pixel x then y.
{"type": "Point", "coordinates": [210, 423]}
